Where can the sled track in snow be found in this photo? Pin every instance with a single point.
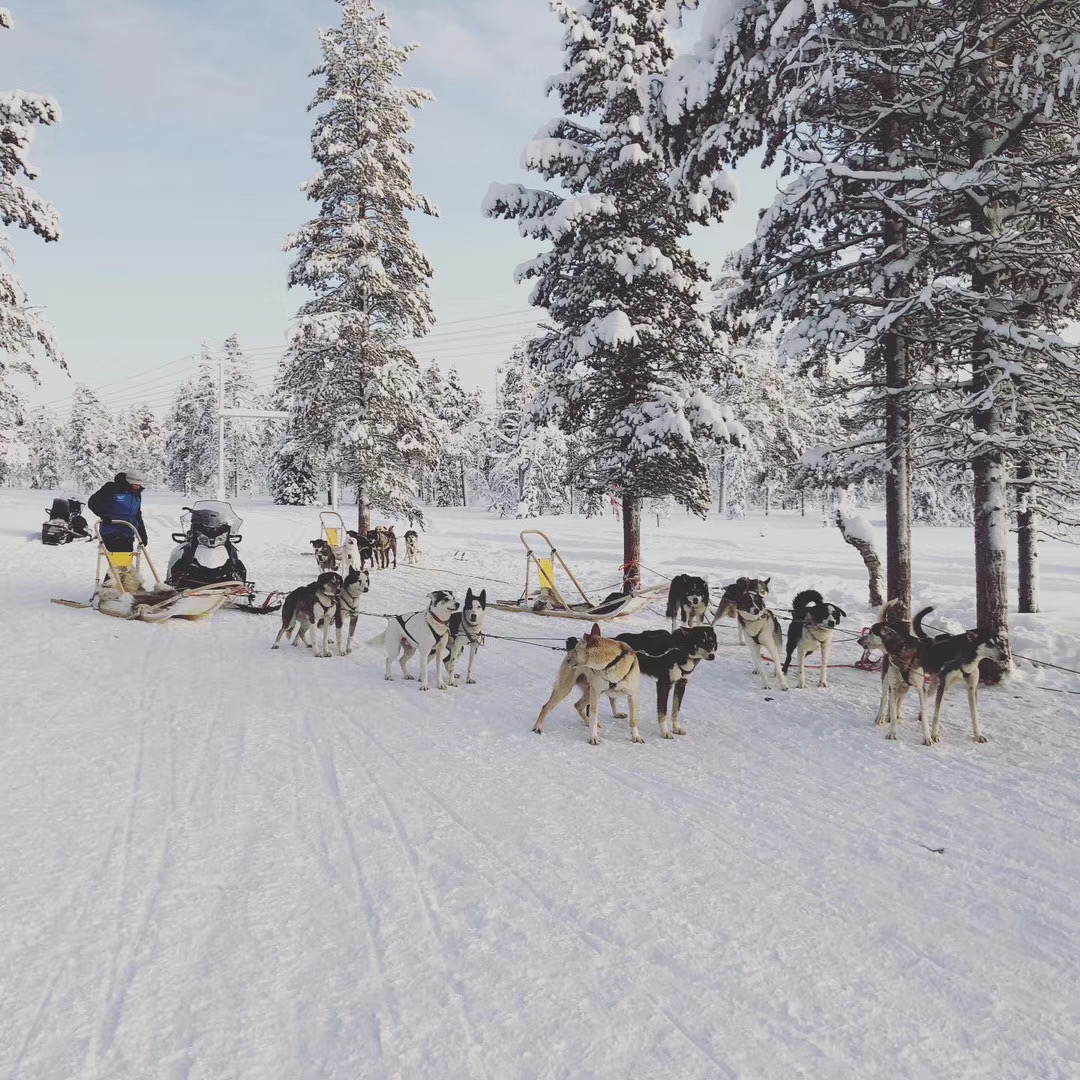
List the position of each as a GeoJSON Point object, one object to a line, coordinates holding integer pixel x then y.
{"type": "Point", "coordinates": [596, 942]}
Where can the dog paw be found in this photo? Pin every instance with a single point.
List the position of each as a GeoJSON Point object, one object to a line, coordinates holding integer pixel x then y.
{"type": "Point", "coordinates": [388, 678]}
{"type": "Point", "coordinates": [929, 742]}
{"type": "Point", "coordinates": [621, 715]}
{"type": "Point", "coordinates": [470, 682]}
{"type": "Point", "coordinates": [890, 735]}
{"type": "Point", "coordinates": [666, 735]}
{"type": "Point", "coordinates": [637, 738]}
{"type": "Point", "coordinates": [412, 678]}
{"type": "Point", "coordinates": [678, 731]}
{"type": "Point", "coordinates": [594, 742]}
{"type": "Point", "coordinates": [424, 689]}
{"type": "Point", "coordinates": [537, 731]}
{"type": "Point", "coordinates": [981, 738]}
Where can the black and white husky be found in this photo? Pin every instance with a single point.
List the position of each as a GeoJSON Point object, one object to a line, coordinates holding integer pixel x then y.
{"type": "Point", "coordinates": [412, 547]}
{"type": "Point", "coordinates": [811, 630]}
{"type": "Point", "coordinates": [424, 632]}
{"type": "Point", "coordinates": [688, 600]}
{"type": "Point", "coordinates": [311, 607]}
{"type": "Point", "coordinates": [466, 629]}
{"type": "Point", "coordinates": [356, 583]}
{"type": "Point", "coordinates": [670, 658]}
{"type": "Point", "coordinates": [762, 630]}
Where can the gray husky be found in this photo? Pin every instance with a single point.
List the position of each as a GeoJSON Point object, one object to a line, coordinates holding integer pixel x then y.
{"type": "Point", "coordinates": [356, 583]}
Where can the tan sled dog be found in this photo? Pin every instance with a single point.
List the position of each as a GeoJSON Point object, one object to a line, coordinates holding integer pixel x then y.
{"type": "Point", "coordinates": [599, 666]}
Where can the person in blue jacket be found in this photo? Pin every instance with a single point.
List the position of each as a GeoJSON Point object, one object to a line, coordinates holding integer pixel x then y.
{"type": "Point", "coordinates": [120, 500]}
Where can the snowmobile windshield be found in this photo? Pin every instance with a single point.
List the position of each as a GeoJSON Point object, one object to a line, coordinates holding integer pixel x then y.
{"type": "Point", "coordinates": [211, 522]}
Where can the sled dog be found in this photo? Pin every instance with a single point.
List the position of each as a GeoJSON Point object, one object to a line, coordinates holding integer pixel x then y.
{"type": "Point", "coordinates": [424, 632]}
{"type": "Point", "coordinates": [412, 547]}
{"type": "Point", "coordinates": [734, 593]}
{"type": "Point", "coordinates": [952, 657]}
{"type": "Point", "coordinates": [357, 551]}
{"type": "Point", "coordinates": [597, 665]}
{"type": "Point", "coordinates": [762, 628]}
{"type": "Point", "coordinates": [670, 657]}
{"type": "Point", "coordinates": [466, 629]}
{"type": "Point", "coordinates": [811, 629]}
{"type": "Point", "coordinates": [309, 608]}
{"type": "Point", "coordinates": [688, 600]}
{"type": "Point", "coordinates": [324, 556]}
{"type": "Point", "coordinates": [384, 542]}
{"type": "Point", "coordinates": [901, 668]}
{"type": "Point", "coordinates": [356, 583]}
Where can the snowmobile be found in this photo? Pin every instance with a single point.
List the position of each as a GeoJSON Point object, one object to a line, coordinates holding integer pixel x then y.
{"type": "Point", "coordinates": [206, 555]}
{"type": "Point", "coordinates": [65, 523]}
{"type": "Point", "coordinates": [120, 590]}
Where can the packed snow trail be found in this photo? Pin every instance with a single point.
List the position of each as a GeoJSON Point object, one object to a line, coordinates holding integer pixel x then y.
{"type": "Point", "coordinates": [224, 862]}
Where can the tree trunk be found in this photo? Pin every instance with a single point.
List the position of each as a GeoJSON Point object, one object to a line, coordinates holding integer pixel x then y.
{"type": "Point", "coordinates": [363, 512]}
{"type": "Point", "coordinates": [991, 497]}
{"type": "Point", "coordinates": [631, 531]}
{"type": "Point", "coordinates": [802, 503]}
{"type": "Point", "coordinates": [1027, 528]}
{"type": "Point", "coordinates": [464, 499]}
{"type": "Point", "coordinates": [869, 557]}
{"type": "Point", "coordinates": [722, 484]}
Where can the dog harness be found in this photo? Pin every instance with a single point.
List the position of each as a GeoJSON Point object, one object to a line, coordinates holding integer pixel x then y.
{"type": "Point", "coordinates": [439, 637]}
{"type": "Point", "coordinates": [624, 652]}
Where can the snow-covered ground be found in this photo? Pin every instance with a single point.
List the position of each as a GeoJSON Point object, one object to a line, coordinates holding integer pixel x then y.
{"type": "Point", "coordinates": [220, 861]}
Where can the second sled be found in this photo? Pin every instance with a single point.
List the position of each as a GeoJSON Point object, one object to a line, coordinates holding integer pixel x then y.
{"type": "Point", "coordinates": [548, 598]}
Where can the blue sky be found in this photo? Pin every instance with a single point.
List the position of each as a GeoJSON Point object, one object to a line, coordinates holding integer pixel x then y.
{"type": "Point", "coordinates": [183, 143]}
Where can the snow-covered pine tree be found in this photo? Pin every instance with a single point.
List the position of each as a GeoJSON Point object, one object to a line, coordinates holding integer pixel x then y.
{"type": "Point", "coordinates": [629, 342]}
{"type": "Point", "coordinates": [179, 425]}
{"type": "Point", "coordinates": [457, 449]}
{"type": "Point", "coordinates": [191, 434]}
{"type": "Point", "coordinates": [147, 443]}
{"type": "Point", "coordinates": [243, 438]}
{"type": "Point", "coordinates": [839, 93]}
{"type": "Point", "coordinates": [23, 332]}
{"type": "Point", "coordinates": [46, 449]}
{"type": "Point", "coordinates": [91, 445]}
{"type": "Point", "coordinates": [353, 387]}
{"type": "Point", "coordinates": [1005, 234]}
{"type": "Point", "coordinates": [292, 475]}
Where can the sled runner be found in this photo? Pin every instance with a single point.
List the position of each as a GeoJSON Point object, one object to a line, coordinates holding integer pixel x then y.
{"type": "Point", "coordinates": [548, 599]}
{"type": "Point", "coordinates": [118, 588]}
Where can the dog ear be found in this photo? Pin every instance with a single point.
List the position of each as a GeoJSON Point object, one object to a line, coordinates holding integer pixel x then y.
{"type": "Point", "coordinates": [468, 596]}
{"type": "Point", "coordinates": [595, 631]}
{"type": "Point", "coordinates": [483, 598]}
{"type": "Point", "coordinates": [766, 582]}
{"type": "Point", "coordinates": [841, 612]}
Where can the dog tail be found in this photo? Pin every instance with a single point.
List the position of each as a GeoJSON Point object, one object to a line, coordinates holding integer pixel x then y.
{"type": "Point", "coordinates": [671, 605]}
{"type": "Point", "coordinates": [916, 624]}
{"type": "Point", "coordinates": [379, 640]}
{"type": "Point", "coordinates": [805, 600]}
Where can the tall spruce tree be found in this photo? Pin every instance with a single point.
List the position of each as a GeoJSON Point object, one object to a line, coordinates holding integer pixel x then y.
{"type": "Point", "coordinates": [243, 439]}
{"type": "Point", "coordinates": [23, 332]}
{"type": "Point", "coordinates": [838, 93]}
{"type": "Point", "coordinates": [46, 448]}
{"type": "Point", "coordinates": [91, 447]}
{"type": "Point", "coordinates": [353, 387]}
{"type": "Point", "coordinates": [629, 341]}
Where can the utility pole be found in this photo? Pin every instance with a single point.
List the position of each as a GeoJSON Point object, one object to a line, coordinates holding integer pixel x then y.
{"type": "Point", "coordinates": [221, 427]}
